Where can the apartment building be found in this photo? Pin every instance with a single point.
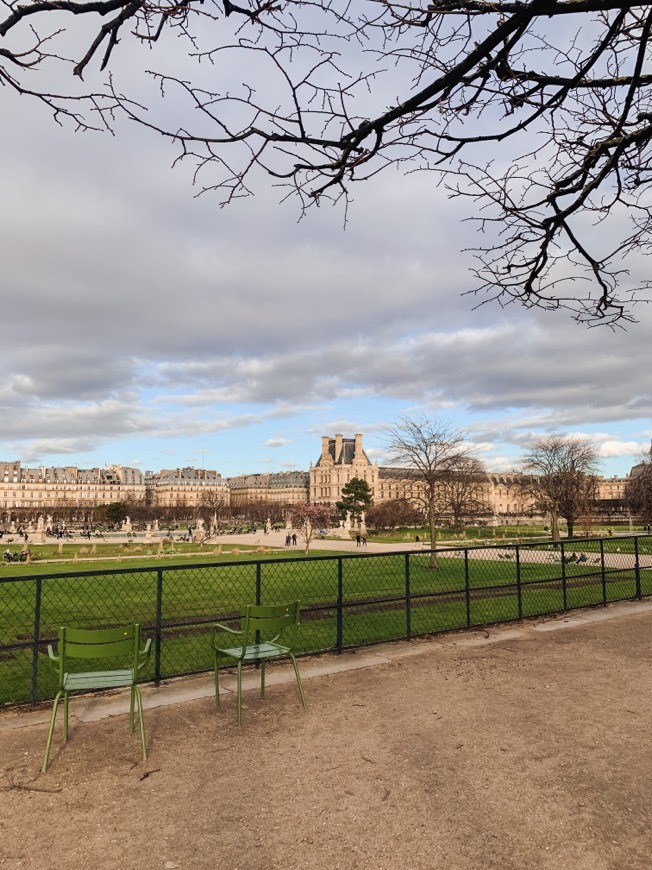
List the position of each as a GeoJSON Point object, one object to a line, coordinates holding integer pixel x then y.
{"type": "Point", "coordinates": [51, 487]}
{"type": "Point", "coordinates": [285, 487]}
{"type": "Point", "coordinates": [190, 487]}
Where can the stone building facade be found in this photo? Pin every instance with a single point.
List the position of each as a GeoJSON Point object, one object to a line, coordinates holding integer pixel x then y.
{"type": "Point", "coordinates": [52, 487]}
{"type": "Point", "coordinates": [340, 460]}
{"type": "Point", "coordinates": [499, 494]}
{"type": "Point", "coordinates": [189, 487]}
{"type": "Point", "coordinates": [285, 487]}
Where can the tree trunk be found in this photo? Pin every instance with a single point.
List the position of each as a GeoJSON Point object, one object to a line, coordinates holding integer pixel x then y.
{"type": "Point", "coordinates": [554, 526]}
{"type": "Point", "coordinates": [433, 538]}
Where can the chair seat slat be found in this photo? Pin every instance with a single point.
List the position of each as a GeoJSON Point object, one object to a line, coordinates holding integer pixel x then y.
{"type": "Point", "coordinates": [256, 651]}
{"type": "Point", "coordinates": [98, 680]}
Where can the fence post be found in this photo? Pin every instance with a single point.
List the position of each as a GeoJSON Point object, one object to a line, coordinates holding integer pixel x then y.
{"type": "Point", "coordinates": [604, 576]}
{"type": "Point", "coordinates": [36, 637]}
{"type": "Point", "coordinates": [467, 588]}
{"type": "Point", "coordinates": [158, 627]}
{"type": "Point", "coordinates": [562, 550]}
{"type": "Point", "coordinates": [637, 569]}
{"type": "Point", "coordinates": [340, 596]}
{"type": "Point", "coordinates": [519, 594]}
{"type": "Point", "coordinates": [408, 601]}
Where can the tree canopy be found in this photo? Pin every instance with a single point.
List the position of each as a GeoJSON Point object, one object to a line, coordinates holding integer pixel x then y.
{"type": "Point", "coordinates": [356, 497]}
{"type": "Point", "coordinates": [536, 111]}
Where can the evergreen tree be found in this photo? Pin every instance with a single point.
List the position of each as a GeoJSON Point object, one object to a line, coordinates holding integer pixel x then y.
{"type": "Point", "coordinates": [356, 497]}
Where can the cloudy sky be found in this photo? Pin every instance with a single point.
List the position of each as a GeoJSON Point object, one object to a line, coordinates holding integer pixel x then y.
{"type": "Point", "coordinates": [145, 326]}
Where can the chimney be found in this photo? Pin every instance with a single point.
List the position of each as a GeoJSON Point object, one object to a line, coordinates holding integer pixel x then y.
{"type": "Point", "coordinates": [357, 453]}
{"type": "Point", "coordinates": [338, 448]}
{"type": "Point", "coordinates": [324, 445]}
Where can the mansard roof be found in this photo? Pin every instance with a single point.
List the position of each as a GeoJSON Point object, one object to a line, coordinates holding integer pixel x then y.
{"type": "Point", "coordinates": [190, 476]}
{"type": "Point", "coordinates": [72, 474]}
{"type": "Point", "coordinates": [347, 453]}
{"type": "Point", "coordinates": [271, 480]}
{"type": "Point", "coordinates": [393, 473]}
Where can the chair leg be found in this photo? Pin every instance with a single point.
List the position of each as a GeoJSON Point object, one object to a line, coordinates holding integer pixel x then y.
{"type": "Point", "coordinates": [299, 684]}
{"type": "Point", "coordinates": [239, 693]}
{"type": "Point", "coordinates": [46, 757]}
{"type": "Point", "coordinates": [262, 678]}
{"type": "Point", "coordinates": [131, 709]}
{"type": "Point", "coordinates": [65, 717]}
{"type": "Point", "coordinates": [141, 721]}
{"type": "Point", "coordinates": [217, 684]}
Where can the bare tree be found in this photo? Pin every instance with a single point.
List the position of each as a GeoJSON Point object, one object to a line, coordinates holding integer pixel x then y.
{"type": "Point", "coordinates": [211, 507]}
{"type": "Point", "coordinates": [392, 513]}
{"type": "Point", "coordinates": [463, 490]}
{"type": "Point", "coordinates": [560, 479]}
{"type": "Point", "coordinates": [638, 491]}
{"type": "Point", "coordinates": [537, 110]}
{"type": "Point", "coordinates": [429, 452]}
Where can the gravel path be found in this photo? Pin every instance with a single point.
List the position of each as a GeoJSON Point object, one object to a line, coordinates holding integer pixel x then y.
{"type": "Point", "coordinates": [518, 748]}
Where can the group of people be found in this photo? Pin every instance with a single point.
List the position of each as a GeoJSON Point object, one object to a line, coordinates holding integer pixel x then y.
{"type": "Point", "coordinates": [291, 539]}
{"type": "Point", "coordinates": [361, 540]}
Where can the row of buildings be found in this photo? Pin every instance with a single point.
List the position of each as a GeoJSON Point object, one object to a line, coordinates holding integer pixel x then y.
{"type": "Point", "coordinates": [340, 460]}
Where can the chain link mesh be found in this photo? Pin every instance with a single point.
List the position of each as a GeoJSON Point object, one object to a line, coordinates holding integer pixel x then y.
{"type": "Point", "coordinates": [346, 601]}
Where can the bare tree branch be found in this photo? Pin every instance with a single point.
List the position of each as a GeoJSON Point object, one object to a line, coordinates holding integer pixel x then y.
{"type": "Point", "coordinates": [536, 112]}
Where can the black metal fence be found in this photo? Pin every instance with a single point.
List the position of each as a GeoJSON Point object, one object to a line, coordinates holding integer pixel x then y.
{"type": "Point", "coordinates": [347, 600]}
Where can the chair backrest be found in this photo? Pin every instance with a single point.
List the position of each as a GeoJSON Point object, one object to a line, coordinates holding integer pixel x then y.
{"type": "Point", "coordinates": [82, 643]}
{"type": "Point", "coordinates": [270, 620]}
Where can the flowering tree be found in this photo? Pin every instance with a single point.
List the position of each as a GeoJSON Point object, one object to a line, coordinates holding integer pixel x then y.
{"type": "Point", "coordinates": [307, 518]}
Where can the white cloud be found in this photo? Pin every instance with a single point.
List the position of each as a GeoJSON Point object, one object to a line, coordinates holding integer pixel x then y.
{"type": "Point", "coordinates": [621, 448]}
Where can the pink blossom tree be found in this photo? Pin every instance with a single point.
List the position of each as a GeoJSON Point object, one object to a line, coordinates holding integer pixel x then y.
{"type": "Point", "coordinates": [308, 518]}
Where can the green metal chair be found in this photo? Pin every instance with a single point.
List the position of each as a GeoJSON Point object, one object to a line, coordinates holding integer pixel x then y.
{"type": "Point", "coordinates": [119, 644]}
{"type": "Point", "coordinates": [265, 632]}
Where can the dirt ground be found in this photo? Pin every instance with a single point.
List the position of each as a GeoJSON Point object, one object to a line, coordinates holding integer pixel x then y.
{"type": "Point", "coordinates": [527, 748]}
